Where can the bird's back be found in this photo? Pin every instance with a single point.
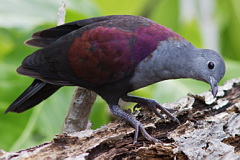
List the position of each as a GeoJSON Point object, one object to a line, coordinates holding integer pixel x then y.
{"type": "Point", "coordinates": [98, 53]}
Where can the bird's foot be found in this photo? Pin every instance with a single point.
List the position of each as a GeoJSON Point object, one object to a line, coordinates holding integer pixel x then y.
{"type": "Point", "coordinates": [138, 126]}
{"type": "Point", "coordinates": [151, 104]}
{"type": "Point", "coordinates": [117, 111]}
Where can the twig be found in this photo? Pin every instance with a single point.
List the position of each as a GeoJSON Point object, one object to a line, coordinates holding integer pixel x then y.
{"type": "Point", "coordinates": [77, 118]}
{"type": "Point", "coordinates": [61, 14]}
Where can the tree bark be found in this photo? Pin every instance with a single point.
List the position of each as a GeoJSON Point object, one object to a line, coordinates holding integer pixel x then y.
{"type": "Point", "coordinates": [210, 129]}
{"type": "Point", "coordinates": [77, 118]}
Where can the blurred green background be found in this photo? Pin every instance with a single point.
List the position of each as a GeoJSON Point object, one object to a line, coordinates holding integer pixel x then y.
{"type": "Point", "coordinates": [211, 24]}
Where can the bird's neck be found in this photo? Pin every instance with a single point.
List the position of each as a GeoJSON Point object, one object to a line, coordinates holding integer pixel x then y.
{"type": "Point", "coordinates": [169, 61]}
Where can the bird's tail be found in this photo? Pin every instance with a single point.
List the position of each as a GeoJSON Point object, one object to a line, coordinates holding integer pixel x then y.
{"type": "Point", "coordinates": [33, 95]}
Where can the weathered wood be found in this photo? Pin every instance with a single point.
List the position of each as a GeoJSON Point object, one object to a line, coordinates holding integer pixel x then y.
{"type": "Point", "coordinates": [210, 129]}
{"type": "Point", "coordinates": [77, 118]}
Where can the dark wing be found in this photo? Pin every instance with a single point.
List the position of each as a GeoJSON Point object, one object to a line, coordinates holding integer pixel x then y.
{"type": "Point", "coordinates": [46, 37]}
{"type": "Point", "coordinates": [96, 54]}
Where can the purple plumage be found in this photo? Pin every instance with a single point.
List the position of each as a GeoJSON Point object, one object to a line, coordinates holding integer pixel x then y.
{"type": "Point", "coordinates": [113, 55]}
{"type": "Point", "coordinates": [105, 53]}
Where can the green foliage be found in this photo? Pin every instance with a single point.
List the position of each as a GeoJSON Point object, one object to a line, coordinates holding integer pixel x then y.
{"type": "Point", "coordinates": [19, 19]}
{"type": "Point", "coordinates": [229, 17]}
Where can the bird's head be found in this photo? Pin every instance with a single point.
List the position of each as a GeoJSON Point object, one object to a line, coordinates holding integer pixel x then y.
{"type": "Point", "coordinates": [211, 68]}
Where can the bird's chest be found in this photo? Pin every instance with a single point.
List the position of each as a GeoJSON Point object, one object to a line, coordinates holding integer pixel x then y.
{"type": "Point", "coordinates": [151, 70]}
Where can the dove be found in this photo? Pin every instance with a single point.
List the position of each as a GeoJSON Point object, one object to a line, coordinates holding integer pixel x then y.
{"type": "Point", "coordinates": [112, 56]}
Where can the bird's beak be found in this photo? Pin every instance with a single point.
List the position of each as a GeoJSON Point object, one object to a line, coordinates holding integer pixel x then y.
{"type": "Point", "coordinates": [214, 86]}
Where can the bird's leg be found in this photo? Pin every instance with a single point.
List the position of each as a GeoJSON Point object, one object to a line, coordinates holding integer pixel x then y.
{"type": "Point", "coordinates": [152, 104]}
{"type": "Point", "coordinates": [117, 111]}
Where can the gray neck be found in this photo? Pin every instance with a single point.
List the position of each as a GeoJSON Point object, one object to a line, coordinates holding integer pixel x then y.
{"type": "Point", "coordinates": [169, 61]}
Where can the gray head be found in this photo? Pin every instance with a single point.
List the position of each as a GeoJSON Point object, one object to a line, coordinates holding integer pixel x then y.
{"type": "Point", "coordinates": [179, 59]}
{"type": "Point", "coordinates": [210, 67]}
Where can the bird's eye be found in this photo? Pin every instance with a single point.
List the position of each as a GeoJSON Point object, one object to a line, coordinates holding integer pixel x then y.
{"type": "Point", "coordinates": [210, 65]}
